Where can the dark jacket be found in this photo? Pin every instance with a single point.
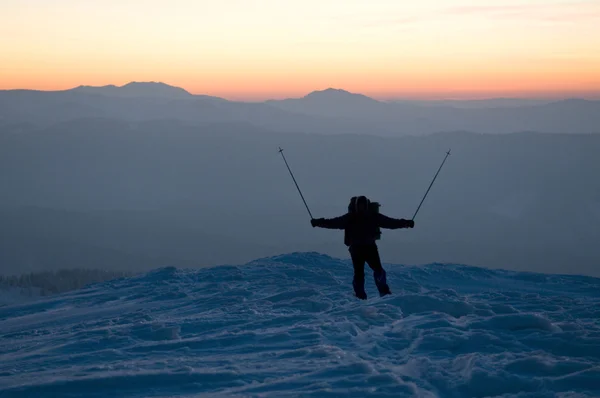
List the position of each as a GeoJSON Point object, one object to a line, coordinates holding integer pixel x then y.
{"type": "Point", "coordinates": [361, 228]}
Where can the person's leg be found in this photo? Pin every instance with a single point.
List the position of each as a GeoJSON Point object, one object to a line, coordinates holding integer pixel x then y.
{"type": "Point", "coordinates": [372, 258]}
{"type": "Point", "coordinates": [358, 282]}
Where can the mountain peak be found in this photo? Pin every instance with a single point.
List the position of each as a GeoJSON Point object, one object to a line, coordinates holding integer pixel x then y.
{"type": "Point", "coordinates": [137, 89]}
{"type": "Point", "coordinates": [335, 93]}
{"type": "Point", "coordinates": [331, 90]}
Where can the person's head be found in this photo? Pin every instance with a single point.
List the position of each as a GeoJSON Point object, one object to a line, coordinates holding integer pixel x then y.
{"type": "Point", "coordinates": [361, 205]}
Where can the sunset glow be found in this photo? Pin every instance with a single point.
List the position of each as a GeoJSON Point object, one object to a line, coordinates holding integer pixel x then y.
{"type": "Point", "coordinates": [254, 50]}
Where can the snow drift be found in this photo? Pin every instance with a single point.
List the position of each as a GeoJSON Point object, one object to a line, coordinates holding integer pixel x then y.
{"type": "Point", "coordinates": [289, 326]}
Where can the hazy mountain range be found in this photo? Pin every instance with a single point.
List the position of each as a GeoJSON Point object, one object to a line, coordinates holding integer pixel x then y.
{"type": "Point", "coordinates": [330, 111]}
{"type": "Point", "coordinates": [147, 175]}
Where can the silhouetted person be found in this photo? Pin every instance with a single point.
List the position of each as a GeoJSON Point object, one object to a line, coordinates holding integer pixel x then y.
{"type": "Point", "coordinates": [361, 227]}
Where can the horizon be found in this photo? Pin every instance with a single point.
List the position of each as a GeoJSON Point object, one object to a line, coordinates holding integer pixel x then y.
{"type": "Point", "coordinates": [433, 50]}
{"type": "Point", "coordinates": [558, 97]}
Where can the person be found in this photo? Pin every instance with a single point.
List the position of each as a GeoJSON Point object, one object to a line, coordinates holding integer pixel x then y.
{"type": "Point", "coordinates": [361, 225]}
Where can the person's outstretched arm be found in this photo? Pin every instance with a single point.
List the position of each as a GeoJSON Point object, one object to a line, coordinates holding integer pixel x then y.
{"type": "Point", "coordinates": [330, 223]}
{"type": "Point", "coordinates": [394, 223]}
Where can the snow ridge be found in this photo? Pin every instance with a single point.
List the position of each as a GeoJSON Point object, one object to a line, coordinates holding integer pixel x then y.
{"type": "Point", "coordinates": [289, 326]}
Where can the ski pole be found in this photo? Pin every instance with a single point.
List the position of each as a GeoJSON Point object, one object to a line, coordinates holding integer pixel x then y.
{"type": "Point", "coordinates": [302, 196]}
{"type": "Point", "coordinates": [436, 174]}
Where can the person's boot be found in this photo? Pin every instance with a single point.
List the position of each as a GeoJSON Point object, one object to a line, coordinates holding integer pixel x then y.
{"type": "Point", "coordinates": [381, 283]}
{"type": "Point", "coordinates": [361, 295]}
{"type": "Point", "coordinates": [359, 289]}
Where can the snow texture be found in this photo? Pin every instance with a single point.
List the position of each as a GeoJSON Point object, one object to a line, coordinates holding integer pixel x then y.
{"type": "Point", "coordinates": [289, 326]}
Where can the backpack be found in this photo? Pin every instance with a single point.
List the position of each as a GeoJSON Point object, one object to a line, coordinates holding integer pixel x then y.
{"type": "Point", "coordinates": [373, 208]}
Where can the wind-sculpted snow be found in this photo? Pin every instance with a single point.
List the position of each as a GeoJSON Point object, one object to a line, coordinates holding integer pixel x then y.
{"type": "Point", "coordinates": [289, 326]}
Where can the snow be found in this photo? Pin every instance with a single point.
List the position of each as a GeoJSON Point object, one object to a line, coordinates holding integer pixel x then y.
{"type": "Point", "coordinates": [290, 326]}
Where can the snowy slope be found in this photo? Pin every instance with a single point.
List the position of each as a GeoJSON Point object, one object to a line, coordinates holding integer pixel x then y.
{"type": "Point", "coordinates": [289, 326]}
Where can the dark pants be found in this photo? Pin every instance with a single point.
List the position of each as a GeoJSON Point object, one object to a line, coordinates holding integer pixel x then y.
{"type": "Point", "coordinates": [370, 255]}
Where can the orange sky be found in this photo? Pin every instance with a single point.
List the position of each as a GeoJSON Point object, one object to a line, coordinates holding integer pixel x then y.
{"type": "Point", "coordinates": [253, 50]}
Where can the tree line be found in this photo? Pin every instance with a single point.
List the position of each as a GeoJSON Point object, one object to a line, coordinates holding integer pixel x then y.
{"type": "Point", "coordinates": [59, 281]}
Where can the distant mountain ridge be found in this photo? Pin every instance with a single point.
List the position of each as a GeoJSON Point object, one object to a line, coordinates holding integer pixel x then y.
{"type": "Point", "coordinates": [160, 89]}
{"type": "Point", "coordinates": [336, 93]}
{"type": "Point", "coordinates": [137, 89]}
{"type": "Point", "coordinates": [332, 102]}
{"type": "Point", "coordinates": [328, 111]}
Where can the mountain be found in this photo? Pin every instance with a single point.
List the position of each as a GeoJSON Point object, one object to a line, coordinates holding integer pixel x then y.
{"type": "Point", "coordinates": [330, 111]}
{"type": "Point", "coordinates": [137, 90]}
{"type": "Point", "coordinates": [331, 102]}
{"type": "Point", "coordinates": [44, 109]}
{"type": "Point", "coordinates": [416, 118]}
{"type": "Point", "coordinates": [288, 326]}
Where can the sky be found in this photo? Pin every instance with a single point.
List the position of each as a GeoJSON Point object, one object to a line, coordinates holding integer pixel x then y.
{"type": "Point", "coordinates": [270, 49]}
